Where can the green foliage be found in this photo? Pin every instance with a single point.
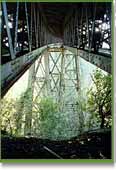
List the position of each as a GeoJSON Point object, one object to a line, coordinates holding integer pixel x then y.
{"type": "Point", "coordinates": [99, 97]}
{"type": "Point", "coordinates": [8, 115]}
{"type": "Point", "coordinates": [81, 108]}
{"type": "Point", "coordinates": [48, 117]}
{"type": "Point", "coordinates": [43, 117]}
{"type": "Point", "coordinates": [19, 113]}
{"type": "Point", "coordinates": [47, 108]}
{"type": "Point", "coordinates": [52, 123]}
{"type": "Point", "coordinates": [13, 113]}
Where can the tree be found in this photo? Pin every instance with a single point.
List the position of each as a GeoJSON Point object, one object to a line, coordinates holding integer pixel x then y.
{"type": "Point", "coordinates": [47, 115]}
{"type": "Point", "coordinates": [8, 116]}
{"type": "Point", "coordinates": [80, 108]}
{"type": "Point", "coordinates": [15, 113]}
{"type": "Point", "coordinates": [99, 96]}
{"type": "Point", "coordinates": [19, 113]}
{"type": "Point", "coordinates": [27, 111]}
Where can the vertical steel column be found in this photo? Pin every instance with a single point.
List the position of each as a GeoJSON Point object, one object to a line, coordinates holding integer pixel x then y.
{"type": "Point", "coordinates": [61, 83]}
{"type": "Point", "coordinates": [75, 27]}
{"type": "Point", "coordinates": [111, 28]}
{"type": "Point", "coordinates": [8, 30]}
{"type": "Point", "coordinates": [16, 28]}
{"type": "Point", "coordinates": [0, 43]}
{"type": "Point", "coordinates": [78, 40]}
{"type": "Point", "coordinates": [87, 23]}
{"type": "Point", "coordinates": [37, 35]}
{"type": "Point", "coordinates": [64, 36]}
{"type": "Point", "coordinates": [40, 36]}
{"type": "Point", "coordinates": [35, 24]}
{"type": "Point", "coordinates": [78, 88]}
{"type": "Point", "coordinates": [31, 81]}
{"type": "Point", "coordinates": [29, 105]}
{"type": "Point", "coordinates": [81, 40]}
{"type": "Point", "coordinates": [0, 29]}
{"type": "Point", "coordinates": [73, 33]}
{"type": "Point", "coordinates": [77, 72]}
{"type": "Point", "coordinates": [31, 76]}
{"type": "Point", "coordinates": [27, 26]}
{"type": "Point", "coordinates": [0, 21]}
{"type": "Point", "coordinates": [92, 31]}
{"type": "Point", "coordinates": [47, 75]}
{"type": "Point", "coordinates": [31, 27]}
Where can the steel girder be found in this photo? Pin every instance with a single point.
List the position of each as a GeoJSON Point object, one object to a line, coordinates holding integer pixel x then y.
{"type": "Point", "coordinates": [31, 32]}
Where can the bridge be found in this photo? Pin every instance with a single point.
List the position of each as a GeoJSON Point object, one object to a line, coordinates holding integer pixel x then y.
{"type": "Point", "coordinates": [51, 42]}
{"type": "Point", "coordinates": [82, 28]}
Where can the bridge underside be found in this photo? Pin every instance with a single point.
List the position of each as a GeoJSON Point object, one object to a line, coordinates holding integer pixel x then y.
{"type": "Point", "coordinates": [82, 28]}
{"type": "Point", "coordinates": [53, 49]}
{"type": "Point", "coordinates": [13, 70]}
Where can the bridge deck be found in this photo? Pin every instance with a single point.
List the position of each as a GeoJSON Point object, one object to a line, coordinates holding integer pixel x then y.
{"type": "Point", "coordinates": [12, 70]}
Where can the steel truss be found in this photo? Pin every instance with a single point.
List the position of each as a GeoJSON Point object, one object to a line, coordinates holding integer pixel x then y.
{"type": "Point", "coordinates": [27, 37]}
{"type": "Point", "coordinates": [88, 31]}
{"type": "Point", "coordinates": [56, 75]}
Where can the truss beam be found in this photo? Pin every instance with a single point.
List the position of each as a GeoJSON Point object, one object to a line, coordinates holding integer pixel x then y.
{"type": "Point", "coordinates": [101, 61]}
{"type": "Point", "coordinates": [12, 70]}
